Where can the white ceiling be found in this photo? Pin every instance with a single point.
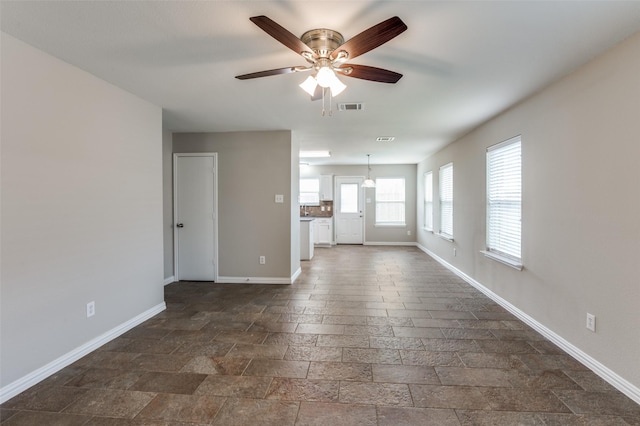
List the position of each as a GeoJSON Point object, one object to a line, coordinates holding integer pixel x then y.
{"type": "Point", "coordinates": [463, 62]}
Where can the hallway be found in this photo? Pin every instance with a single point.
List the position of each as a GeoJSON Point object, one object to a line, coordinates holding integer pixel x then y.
{"type": "Point", "coordinates": [367, 335]}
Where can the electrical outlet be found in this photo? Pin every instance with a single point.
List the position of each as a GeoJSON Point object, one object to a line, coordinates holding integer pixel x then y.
{"type": "Point", "coordinates": [279, 198]}
{"type": "Point", "coordinates": [408, 232]}
{"type": "Point", "coordinates": [91, 309]}
{"type": "Point", "coordinates": [591, 322]}
{"type": "Point", "coordinates": [263, 260]}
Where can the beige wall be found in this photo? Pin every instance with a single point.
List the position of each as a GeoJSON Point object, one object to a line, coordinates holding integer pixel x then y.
{"type": "Point", "coordinates": [253, 168]}
{"type": "Point", "coordinates": [581, 208]}
{"type": "Point", "coordinates": [372, 233]}
{"type": "Point", "coordinates": [81, 210]}
{"type": "Point", "coordinates": [167, 203]}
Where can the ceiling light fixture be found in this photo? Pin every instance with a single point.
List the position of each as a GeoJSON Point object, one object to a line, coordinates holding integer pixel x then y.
{"type": "Point", "coordinates": [315, 154]}
{"type": "Point", "coordinates": [327, 54]}
{"type": "Point", "coordinates": [368, 182]}
{"type": "Point", "coordinates": [329, 83]}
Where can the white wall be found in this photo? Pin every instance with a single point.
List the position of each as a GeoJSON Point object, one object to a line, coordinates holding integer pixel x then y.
{"type": "Point", "coordinates": [252, 168]}
{"type": "Point", "coordinates": [81, 211]}
{"type": "Point", "coordinates": [378, 234]}
{"type": "Point", "coordinates": [581, 208]}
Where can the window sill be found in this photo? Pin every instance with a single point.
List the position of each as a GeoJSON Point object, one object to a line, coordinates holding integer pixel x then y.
{"type": "Point", "coordinates": [445, 237]}
{"type": "Point", "coordinates": [502, 259]}
{"type": "Point", "coordinates": [390, 225]}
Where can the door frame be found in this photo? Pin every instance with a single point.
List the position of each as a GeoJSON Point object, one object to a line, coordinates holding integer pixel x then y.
{"type": "Point", "coordinates": [363, 205]}
{"type": "Point", "coordinates": [177, 155]}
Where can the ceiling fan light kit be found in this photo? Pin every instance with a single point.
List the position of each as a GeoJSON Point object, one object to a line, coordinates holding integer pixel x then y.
{"type": "Point", "coordinates": [326, 52]}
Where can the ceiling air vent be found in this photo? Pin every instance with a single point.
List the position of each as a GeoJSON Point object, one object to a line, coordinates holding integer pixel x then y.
{"type": "Point", "coordinates": [354, 106]}
{"type": "Point", "coordinates": [384, 138]}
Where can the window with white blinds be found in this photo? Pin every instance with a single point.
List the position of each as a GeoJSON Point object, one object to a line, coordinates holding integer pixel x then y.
{"type": "Point", "coordinates": [504, 199]}
{"type": "Point", "coordinates": [390, 199]}
{"type": "Point", "coordinates": [309, 192]}
{"type": "Point", "coordinates": [446, 201]}
{"type": "Point", "coordinates": [428, 201]}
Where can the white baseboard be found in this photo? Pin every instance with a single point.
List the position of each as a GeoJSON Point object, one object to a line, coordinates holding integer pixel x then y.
{"type": "Point", "coordinates": [12, 389]}
{"type": "Point", "coordinates": [169, 280]}
{"type": "Point", "coordinates": [254, 280]}
{"type": "Point", "coordinates": [389, 243]}
{"type": "Point", "coordinates": [295, 275]}
{"type": "Point", "coordinates": [594, 365]}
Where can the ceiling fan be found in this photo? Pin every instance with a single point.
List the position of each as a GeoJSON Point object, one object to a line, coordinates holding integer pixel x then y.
{"type": "Point", "coordinates": [326, 52]}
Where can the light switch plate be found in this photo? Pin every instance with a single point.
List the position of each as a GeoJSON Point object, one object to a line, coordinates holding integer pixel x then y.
{"type": "Point", "coordinates": [279, 198]}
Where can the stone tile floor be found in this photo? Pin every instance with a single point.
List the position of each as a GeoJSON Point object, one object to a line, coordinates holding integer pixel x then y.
{"type": "Point", "coordinates": [366, 336]}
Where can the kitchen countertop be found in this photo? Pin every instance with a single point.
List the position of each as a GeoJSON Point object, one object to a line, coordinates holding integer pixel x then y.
{"type": "Point", "coordinates": [307, 218]}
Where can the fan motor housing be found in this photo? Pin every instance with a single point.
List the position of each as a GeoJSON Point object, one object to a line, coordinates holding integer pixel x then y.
{"type": "Point", "coordinates": [322, 41]}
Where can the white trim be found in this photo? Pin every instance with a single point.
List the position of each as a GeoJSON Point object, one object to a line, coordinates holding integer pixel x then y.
{"type": "Point", "coordinates": [12, 389]}
{"type": "Point", "coordinates": [296, 274]}
{"type": "Point", "coordinates": [509, 141]}
{"type": "Point", "coordinates": [390, 243]}
{"type": "Point", "coordinates": [444, 236]}
{"type": "Point", "coordinates": [587, 360]}
{"type": "Point", "coordinates": [169, 280]}
{"type": "Point", "coordinates": [503, 259]}
{"type": "Point", "coordinates": [254, 280]}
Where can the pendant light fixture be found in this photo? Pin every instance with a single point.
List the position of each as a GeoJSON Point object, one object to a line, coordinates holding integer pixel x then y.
{"type": "Point", "coordinates": [368, 182]}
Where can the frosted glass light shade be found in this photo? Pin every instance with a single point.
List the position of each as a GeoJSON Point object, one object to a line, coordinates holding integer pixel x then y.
{"type": "Point", "coordinates": [325, 76]}
{"type": "Point", "coordinates": [336, 86]}
{"type": "Point", "coordinates": [309, 85]}
{"type": "Point", "coordinates": [369, 183]}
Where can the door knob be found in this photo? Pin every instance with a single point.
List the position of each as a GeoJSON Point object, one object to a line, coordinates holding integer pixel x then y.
{"type": "Point", "coordinates": [180, 225]}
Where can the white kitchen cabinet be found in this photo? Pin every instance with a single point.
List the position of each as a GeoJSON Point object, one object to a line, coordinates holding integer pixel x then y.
{"type": "Point", "coordinates": [326, 188]}
{"type": "Point", "coordinates": [323, 231]}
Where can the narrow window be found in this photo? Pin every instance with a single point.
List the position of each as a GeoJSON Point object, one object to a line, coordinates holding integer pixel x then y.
{"type": "Point", "coordinates": [310, 192]}
{"type": "Point", "coordinates": [446, 201]}
{"type": "Point", "coordinates": [428, 201]}
{"type": "Point", "coordinates": [504, 200]}
{"type": "Point", "coordinates": [390, 199]}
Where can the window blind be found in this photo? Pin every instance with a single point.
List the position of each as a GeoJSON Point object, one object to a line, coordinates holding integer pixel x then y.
{"type": "Point", "coordinates": [390, 199]}
{"type": "Point", "coordinates": [310, 191]}
{"type": "Point", "coordinates": [504, 198]}
{"type": "Point", "coordinates": [428, 201]}
{"type": "Point", "coordinates": [446, 200]}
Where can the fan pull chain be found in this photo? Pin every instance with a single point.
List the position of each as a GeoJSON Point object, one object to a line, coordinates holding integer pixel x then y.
{"type": "Point", "coordinates": [330, 106]}
{"type": "Point", "coordinates": [324, 91]}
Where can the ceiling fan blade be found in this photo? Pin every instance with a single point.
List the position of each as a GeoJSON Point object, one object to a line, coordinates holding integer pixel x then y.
{"type": "Point", "coordinates": [268, 73]}
{"type": "Point", "coordinates": [281, 34]}
{"type": "Point", "coordinates": [372, 38]}
{"type": "Point", "coordinates": [365, 72]}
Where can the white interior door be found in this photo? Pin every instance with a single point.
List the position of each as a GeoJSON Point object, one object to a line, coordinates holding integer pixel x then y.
{"type": "Point", "coordinates": [349, 210]}
{"type": "Point", "coordinates": [195, 216]}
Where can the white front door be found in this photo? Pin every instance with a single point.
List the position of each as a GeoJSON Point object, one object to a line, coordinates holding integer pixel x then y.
{"type": "Point", "coordinates": [195, 212]}
{"type": "Point", "coordinates": [349, 210]}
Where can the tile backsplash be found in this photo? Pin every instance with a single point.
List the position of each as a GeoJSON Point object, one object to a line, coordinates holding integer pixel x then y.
{"type": "Point", "coordinates": [317, 211]}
